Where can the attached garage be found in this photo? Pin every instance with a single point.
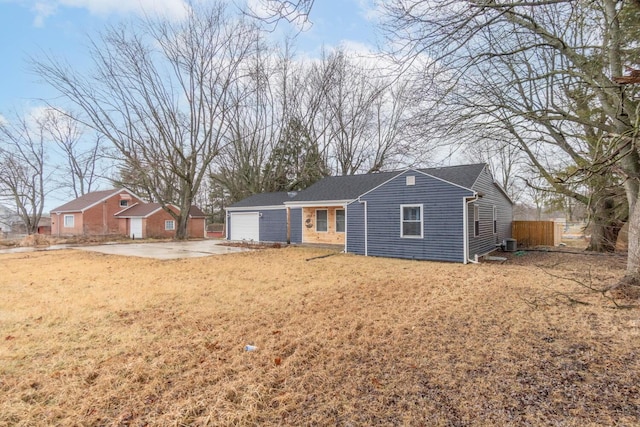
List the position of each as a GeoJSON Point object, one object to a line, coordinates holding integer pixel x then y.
{"type": "Point", "coordinates": [261, 218]}
{"type": "Point", "coordinates": [244, 226]}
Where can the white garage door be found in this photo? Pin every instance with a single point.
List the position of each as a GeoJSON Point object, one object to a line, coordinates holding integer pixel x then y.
{"type": "Point", "coordinates": [136, 228]}
{"type": "Point", "coordinates": [245, 226]}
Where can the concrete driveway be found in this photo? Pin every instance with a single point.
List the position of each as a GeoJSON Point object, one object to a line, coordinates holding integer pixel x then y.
{"type": "Point", "coordinates": [165, 250]}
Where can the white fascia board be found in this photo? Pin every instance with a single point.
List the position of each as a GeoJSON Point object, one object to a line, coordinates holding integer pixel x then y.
{"type": "Point", "coordinates": [142, 216]}
{"type": "Point", "coordinates": [416, 171]}
{"type": "Point", "coordinates": [318, 204]}
{"type": "Point", "coordinates": [255, 208]}
{"type": "Point", "coordinates": [125, 209]}
{"type": "Point", "coordinates": [502, 190]}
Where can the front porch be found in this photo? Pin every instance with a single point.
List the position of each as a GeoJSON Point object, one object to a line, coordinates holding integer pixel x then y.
{"type": "Point", "coordinates": [324, 225]}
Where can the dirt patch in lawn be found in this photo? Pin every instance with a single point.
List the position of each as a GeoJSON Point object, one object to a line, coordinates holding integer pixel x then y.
{"type": "Point", "coordinates": [91, 339]}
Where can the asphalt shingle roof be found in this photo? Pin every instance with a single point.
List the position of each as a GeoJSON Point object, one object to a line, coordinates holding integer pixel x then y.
{"type": "Point", "coordinates": [85, 201]}
{"type": "Point", "coordinates": [263, 199]}
{"type": "Point", "coordinates": [145, 209]}
{"type": "Point", "coordinates": [139, 210]}
{"type": "Point", "coordinates": [349, 187]}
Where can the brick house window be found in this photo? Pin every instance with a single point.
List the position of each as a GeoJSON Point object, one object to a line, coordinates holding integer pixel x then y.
{"type": "Point", "coordinates": [169, 225]}
{"type": "Point", "coordinates": [69, 221]}
{"type": "Point", "coordinates": [124, 203]}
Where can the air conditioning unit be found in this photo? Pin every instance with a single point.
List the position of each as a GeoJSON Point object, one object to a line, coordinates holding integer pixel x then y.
{"type": "Point", "coordinates": [510, 245]}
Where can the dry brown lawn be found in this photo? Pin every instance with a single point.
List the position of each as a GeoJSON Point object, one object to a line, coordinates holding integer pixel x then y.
{"type": "Point", "coordinates": [92, 340]}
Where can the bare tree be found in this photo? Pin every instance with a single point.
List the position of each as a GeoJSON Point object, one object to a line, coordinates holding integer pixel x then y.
{"type": "Point", "coordinates": [81, 155]}
{"type": "Point", "coordinates": [23, 171]}
{"type": "Point", "coordinates": [273, 11]}
{"type": "Point", "coordinates": [159, 92]}
{"type": "Point", "coordinates": [544, 73]}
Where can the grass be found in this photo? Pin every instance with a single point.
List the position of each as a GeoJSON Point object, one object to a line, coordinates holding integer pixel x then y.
{"type": "Point", "coordinates": [89, 339]}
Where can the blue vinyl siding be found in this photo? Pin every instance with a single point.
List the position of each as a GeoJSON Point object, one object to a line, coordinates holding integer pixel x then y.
{"type": "Point", "coordinates": [443, 219]}
{"type": "Point", "coordinates": [491, 196]}
{"type": "Point", "coordinates": [295, 216]}
{"type": "Point", "coordinates": [355, 228]}
{"type": "Point", "coordinates": [273, 225]}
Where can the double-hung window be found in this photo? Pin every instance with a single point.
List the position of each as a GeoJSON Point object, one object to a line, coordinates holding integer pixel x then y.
{"type": "Point", "coordinates": [169, 225]}
{"type": "Point", "coordinates": [321, 220]}
{"type": "Point", "coordinates": [340, 221]}
{"type": "Point", "coordinates": [411, 221]}
{"type": "Point", "coordinates": [69, 221]}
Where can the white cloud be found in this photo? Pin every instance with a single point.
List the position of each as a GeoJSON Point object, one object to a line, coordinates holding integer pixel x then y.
{"type": "Point", "coordinates": [371, 10]}
{"type": "Point", "coordinates": [44, 9]}
{"type": "Point", "coordinates": [168, 8]}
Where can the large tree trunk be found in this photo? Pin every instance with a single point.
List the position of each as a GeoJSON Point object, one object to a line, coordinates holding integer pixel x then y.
{"type": "Point", "coordinates": [608, 214]}
{"type": "Point", "coordinates": [633, 255]}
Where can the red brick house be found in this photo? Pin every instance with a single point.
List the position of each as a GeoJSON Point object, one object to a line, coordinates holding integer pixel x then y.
{"type": "Point", "coordinates": [92, 214]}
{"type": "Point", "coordinates": [149, 220]}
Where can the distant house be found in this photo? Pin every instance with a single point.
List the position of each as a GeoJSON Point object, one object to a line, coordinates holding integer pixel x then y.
{"type": "Point", "coordinates": [44, 225]}
{"type": "Point", "coordinates": [449, 214]}
{"type": "Point", "coordinates": [92, 214]}
{"type": "Point", "coordinates": [9, 221]}
{"type": "Point", "coordinates": [149, 220]}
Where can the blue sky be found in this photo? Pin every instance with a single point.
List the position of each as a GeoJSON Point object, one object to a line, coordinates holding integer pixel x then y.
{"type": "Point", "coordinates": [61, 27]}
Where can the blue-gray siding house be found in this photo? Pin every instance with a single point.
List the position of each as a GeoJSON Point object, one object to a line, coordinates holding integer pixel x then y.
{"type": "Point", "coordinates": [454, 213]}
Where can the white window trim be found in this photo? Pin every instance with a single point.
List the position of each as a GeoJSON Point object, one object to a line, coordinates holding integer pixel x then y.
{"type": "Point", "coordinates": [476, 218]}
{"type": "Point", "coordinates": [73, 221]}
{"type": "Point", "coordinates": [166, 225]}
{"type": "Point", "coordinates": [421, 221]}
{"type": "Point", "coordinates": [316, 213]}
{"type": "Point", "coordinates": [336, 220]}
{"type": "Point", "coordinates": [124, 203]}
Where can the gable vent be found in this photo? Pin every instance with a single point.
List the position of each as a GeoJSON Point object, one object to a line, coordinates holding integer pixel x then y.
{"type": "Point", "coordinates": [411, 180]}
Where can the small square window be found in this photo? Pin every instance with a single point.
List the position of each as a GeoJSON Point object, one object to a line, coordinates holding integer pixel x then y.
{"type": "Point", "coordinates": [124, 203]}
{"type": "Point", "coordinates": [411, 180]}
{"type": "Point", "coordinates": [321, 220]}
{"type": "Point", "coordinates": [69, 221]}
{"type": "Point", "coordinates": [169, 225]}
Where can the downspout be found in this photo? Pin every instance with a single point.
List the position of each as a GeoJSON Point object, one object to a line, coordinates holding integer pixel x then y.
{"type": "Point", "coordinates": [346, 228]}
{"type": "Point", "coordinates": [226, 224]}
{"type": "Point", "coordinates": [465, 214]}
{"type": "Point", "coordinates": [288, 225]}
{"type": "Point", "coordinates": [366, 229]}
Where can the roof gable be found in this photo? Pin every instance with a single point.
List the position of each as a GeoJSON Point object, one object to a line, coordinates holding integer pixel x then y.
{"type": "Point", "coordinates": [88, 200]}
{"type": "Point", "coordinates": [139, 210]}
{"type": "Point", "coordinates": [350, 187]}
{"type": "Point", "coordinates": [145, 210]}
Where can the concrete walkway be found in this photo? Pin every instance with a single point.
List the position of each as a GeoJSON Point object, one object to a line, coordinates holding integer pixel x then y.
{"type": "Point", "coordinates": [160, 250]}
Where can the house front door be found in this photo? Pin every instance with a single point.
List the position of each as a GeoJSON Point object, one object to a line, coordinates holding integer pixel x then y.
{"type": "Point", "coordinates": [136, 228]}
